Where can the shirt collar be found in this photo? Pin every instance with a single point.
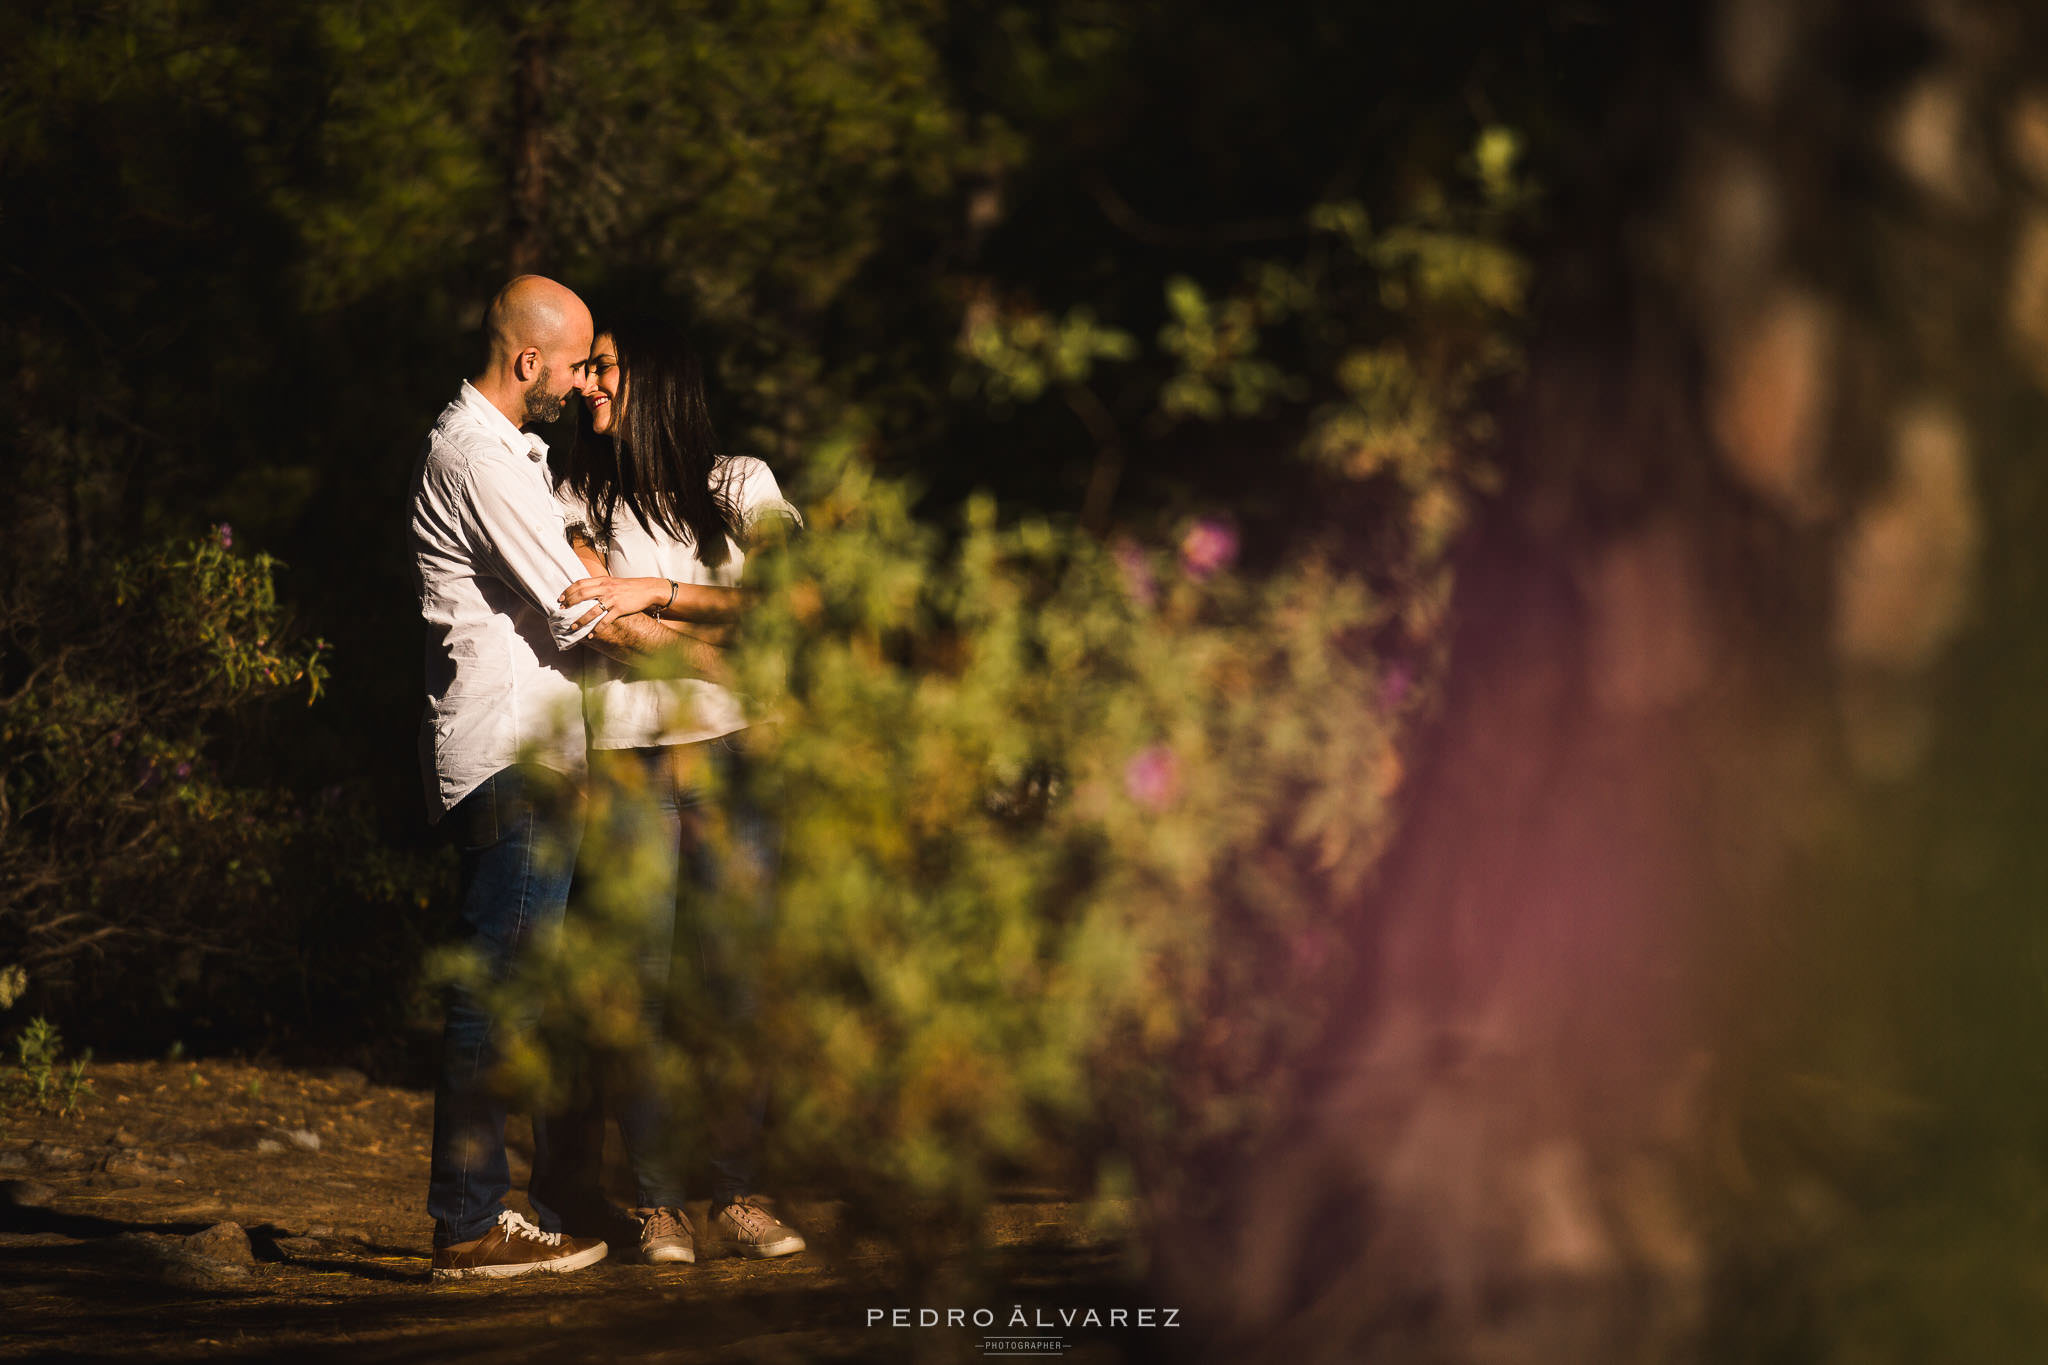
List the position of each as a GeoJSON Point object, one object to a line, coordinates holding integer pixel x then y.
{"type": "Point", "coordinates": [525, 443]}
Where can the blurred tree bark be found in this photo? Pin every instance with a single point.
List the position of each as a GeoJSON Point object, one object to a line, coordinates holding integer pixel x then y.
{"type": "Point", "coordinates": [1658, 1056]}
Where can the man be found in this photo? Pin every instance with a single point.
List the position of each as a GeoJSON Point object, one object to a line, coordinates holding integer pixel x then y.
{"type": "Point", "coordinates": [502, 744]}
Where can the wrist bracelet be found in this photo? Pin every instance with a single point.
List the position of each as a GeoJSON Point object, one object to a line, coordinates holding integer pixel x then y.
{"type": "Point", "coordinates": [657, 611]}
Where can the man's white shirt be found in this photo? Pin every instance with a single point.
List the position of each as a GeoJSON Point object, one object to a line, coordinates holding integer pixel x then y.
{"type": "Point", "coordinates": [491, 558]}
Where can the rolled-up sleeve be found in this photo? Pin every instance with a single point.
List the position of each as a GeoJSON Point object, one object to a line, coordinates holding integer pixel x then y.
{"type": "Point", "coordinates": [515, 526]}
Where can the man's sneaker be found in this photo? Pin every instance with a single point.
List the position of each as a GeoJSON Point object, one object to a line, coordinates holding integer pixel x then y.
{"type": "Point", "coordinates": [515, 1247]}
{"type": "Point", "coordinates": [665, 1237]}
{"type": "Point", "coordinates": [753, 1231]}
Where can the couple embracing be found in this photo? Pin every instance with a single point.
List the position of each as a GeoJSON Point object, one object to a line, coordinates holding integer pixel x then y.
{"type": "Point", "coordinates": [575, 677]}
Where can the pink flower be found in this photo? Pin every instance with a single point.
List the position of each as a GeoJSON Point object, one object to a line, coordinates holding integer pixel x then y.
{"type": "Point", "coordinates": [1310, 949]}
{"type": "Point", "coordinates": [226, 534]}
{"type": "Point", "coordinates": [1152, 777]}
{"type": "Point", "coordinates": [184, 770]}
{"type": "Point", "coordinates": [1209, 545]}
{"type": "Point", "coordinates": [1136, 572]}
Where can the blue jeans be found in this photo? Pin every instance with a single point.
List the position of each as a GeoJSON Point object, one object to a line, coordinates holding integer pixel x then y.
{"type": "Point", "coordinates": [517, 833]}
{"type": "Point", "coordinates": [658, 808]}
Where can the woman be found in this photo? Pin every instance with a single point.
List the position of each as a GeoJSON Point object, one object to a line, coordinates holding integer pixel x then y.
{"type": "Point", "coordinates": [664, 524]}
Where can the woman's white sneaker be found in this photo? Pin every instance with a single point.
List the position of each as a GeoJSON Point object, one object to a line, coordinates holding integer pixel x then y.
{"type": "Point", "coordinates": [665, 1237]}
{"type": "Point", "coordinates": [753, 1231]}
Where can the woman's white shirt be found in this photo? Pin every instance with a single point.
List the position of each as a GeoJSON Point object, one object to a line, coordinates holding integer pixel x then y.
{"type": "Point", "coordinates": [623, 712]}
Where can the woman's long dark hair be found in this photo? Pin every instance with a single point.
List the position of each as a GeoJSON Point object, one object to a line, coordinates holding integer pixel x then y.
{"type": "Point", "coordinates": [657, 458]}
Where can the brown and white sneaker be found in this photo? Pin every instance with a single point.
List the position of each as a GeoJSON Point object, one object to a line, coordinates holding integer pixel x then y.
{"type": "Point", "coordinates": [515, 1247]}
{"type": "Point", "coordinates": [665, 1237]}
{"type": "Point", "coordinates": [753, 1231]}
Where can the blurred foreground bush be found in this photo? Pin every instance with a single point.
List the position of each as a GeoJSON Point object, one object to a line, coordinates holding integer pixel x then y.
{"type": "Point", "coordinates": [141, 882]}
{"type": "Point", "coordinates": [1067, 828]}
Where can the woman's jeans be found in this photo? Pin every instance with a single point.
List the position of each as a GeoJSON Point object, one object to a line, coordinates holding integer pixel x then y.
{"type": "Point", "coordinates": [517, 833]}
{"type": "Point", "coordinates": [675, 827]}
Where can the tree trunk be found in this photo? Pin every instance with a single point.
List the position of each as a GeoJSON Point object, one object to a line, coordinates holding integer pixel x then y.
{"type": "Point", "coordinates": [526, 219]}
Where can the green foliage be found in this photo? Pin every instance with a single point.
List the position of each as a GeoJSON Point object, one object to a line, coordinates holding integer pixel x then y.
{"type": "Point", "coordinates": [76, 1085]}
{"type": "Point", "coordinates": [1053, 821]}
{"type": "Point", "coordinates": [1217, 345]}
{"type": "Point", "coordinates": [1372, 350]}
{"type": "Point", "coordinates": [1016, 359]}
{"type": "Point", "coordinates": [43, 1079]}
{"type": "Point", "coordinates": [125, 842]}
{"type": "Point", "coordinates": [37, 1048]}
{"type": "Point", "coordinates": [745, 162]}
{"type": "Point", "coordinates": [103, 728]}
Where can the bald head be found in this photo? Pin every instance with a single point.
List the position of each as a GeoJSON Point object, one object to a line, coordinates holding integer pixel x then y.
{"type": "Point", "coordinates": [537, 334]}
{"type": "Point", "coordinates": [532, 311]}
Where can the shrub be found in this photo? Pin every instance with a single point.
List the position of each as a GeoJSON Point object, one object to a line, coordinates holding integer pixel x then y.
{"type": "Point", "coordinates": [140, 880]}
{"type": "Point", "coordinates": [42, 1080]}
{"type": "Point", "coordinates": [1069, 831]}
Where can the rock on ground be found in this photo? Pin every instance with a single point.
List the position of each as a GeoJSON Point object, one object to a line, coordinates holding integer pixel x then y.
{"type": "Point", "coordinates": [223, 1242]}
{"type": "Point", "coordinates": [25, 1194]}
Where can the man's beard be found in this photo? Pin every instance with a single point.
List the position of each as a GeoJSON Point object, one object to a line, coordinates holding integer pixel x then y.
{"type": "Point", "coordinates": [543, 404]}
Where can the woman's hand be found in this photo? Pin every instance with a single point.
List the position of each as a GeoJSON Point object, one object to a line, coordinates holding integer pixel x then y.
{"type": "Point", "coordinates": [619, 596]}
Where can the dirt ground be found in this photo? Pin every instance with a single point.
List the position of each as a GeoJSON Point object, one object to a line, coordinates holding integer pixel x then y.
{"type": "Point", "coordinates": [105, 1253]}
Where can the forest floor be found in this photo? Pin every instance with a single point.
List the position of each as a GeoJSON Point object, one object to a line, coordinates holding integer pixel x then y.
{"type": "Point", "coordinates": [111, 1248]}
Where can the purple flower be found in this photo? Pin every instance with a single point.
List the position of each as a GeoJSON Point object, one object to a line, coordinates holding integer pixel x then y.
{"type": "Point", "coordinates": [226, 534]}
{"type": "Point", "coordinates": [1152, 777]}
{"type": "Point", "coordinates": [1209, 545]}
{"type": "Point", "coordinates": [184, 770]}
{"type": "Point", "coordinates": [1395, 685]}
{"type": "Point", "coordinates": [1136, 572]}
